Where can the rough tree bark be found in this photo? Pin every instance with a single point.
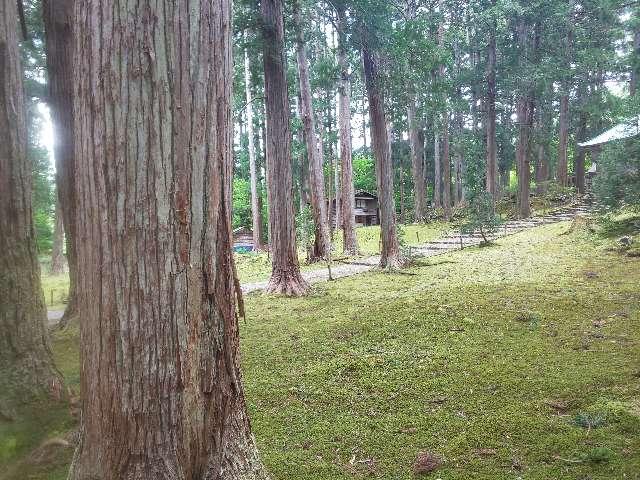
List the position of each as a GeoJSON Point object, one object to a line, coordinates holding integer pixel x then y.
{"type": "Point", "coordinates": [162, 390]}
{"type": "Point", "coordinates": [492, 164]}
{"type": "Point", "coordinates": [57, 17]}
{"type": "Point", "coordinates": [57, 250]}
{"type": "Point", "coordinates": [26, 365]}
{"type": "Point", "coordinates": [390, 256]}
{"type": "Point", "coordinates": [256, 212]}
{"type": "Point", "coordinates": [417, 158]}
{"type": "Point", "coordinates": [459, 159]}
{"type": "Point", "coordinates": [350, 241]}
{"type": "Point", "coordinates": [322, 243]}
{"type": "Point", "coordinates": [285, 275]}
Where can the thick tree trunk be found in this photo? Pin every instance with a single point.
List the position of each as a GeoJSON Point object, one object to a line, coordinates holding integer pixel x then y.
{"type": "Point", "coordinates": [57, 16]}
{"type": "Point", "coordinates": [437, 171]}
{"type": "Point", "coordinates": [322, 244]}
{"type": "Point", "coordinates": [492, 164]}
{"type": "Point", "coordinates": [563, 142]}
{"type": "Point", "coordinates": [285, 276]}
{"type": "Point", "coordinates": [446, 169]}
{"type": "Point", "coordinates": [256, 212]}
{"type": "Point", "coordinates": [350, 241]}
{"type": "Point", "coordinates": [26, 365]}
{"type": "Point", "coordinates": [162, 390]}
{"type": "Point", "coordinates": [390, 256]}
{"type": "Point", "coordinates": [417, 158]}
{"type": "Point", "coordinates": [57, 250]}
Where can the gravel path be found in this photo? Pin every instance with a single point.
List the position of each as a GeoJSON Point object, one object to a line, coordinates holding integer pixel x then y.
{"type": "Point", "coordinates": [429, 249]}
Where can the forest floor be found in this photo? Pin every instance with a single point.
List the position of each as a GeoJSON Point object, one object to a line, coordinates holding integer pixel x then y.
{"type": "Point", "coordinates": [518, 360]}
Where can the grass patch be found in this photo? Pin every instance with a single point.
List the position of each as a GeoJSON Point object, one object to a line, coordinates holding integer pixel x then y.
{"type": "Point", "coordinates": [482, 359]}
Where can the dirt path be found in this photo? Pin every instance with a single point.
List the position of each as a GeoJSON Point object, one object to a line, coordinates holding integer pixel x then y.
{"type": "Point", "coordinates": [429, 249]}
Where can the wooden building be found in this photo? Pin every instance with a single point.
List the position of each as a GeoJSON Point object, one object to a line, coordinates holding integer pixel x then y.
{"type": "Point", "coordinates": [243, 240]}
{"type": "Point", "coordinates": [366, 210]}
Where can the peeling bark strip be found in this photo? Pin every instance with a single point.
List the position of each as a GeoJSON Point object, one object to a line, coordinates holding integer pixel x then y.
{"type": "Point", "coordinates": [57, 16]}
{"type": "Point", "coordinates": [390, 255]}
{"type": "Point", "coordinates": [26, 365]}
{"type": "Point", "coordinates": [162, 392]}
{"type": "Point", "coordinates": [285, 274]}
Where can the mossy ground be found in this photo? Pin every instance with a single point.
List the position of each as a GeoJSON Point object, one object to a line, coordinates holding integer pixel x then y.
{"type": "Point", "coordinates": [519, 360]}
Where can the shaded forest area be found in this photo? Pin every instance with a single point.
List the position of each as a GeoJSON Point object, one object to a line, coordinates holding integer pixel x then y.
{"type": "Point", "coordinates": [141, 140]}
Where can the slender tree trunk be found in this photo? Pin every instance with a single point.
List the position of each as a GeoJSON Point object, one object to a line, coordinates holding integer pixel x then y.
{"type": "Point", "coordinates": [635, 66]}
{"type": "Point", "coordinates": [322, 243]}
{"type": "Point", "coordinates": [437, 181]}
{"type": "Point", "coordinates": [563, 142]}
{"type": "Point", "coordinates": [459, 159]}
{"type": "Point", "coordinates": [285, 276]}
{"type": "Point", "coordinates": [390, 256]}
{"type": "Point", "coordinates": [446, 169]}
{"type": "Point", "coordinates": [26, 365]}
{"type": "Point", "coordinates": [417, 158]}
{"type": "Point", "coordinates": [256, 213]}
{"type": "Point", "coordinates": [403, 219]}
{"type": "Point", "coordinates": [364, 121]}
{"type": "Point", "coordinates": [57, 16]}
{"type": "Point", "coordinates": [522, 148]}
{"type": "Point", "coordinates": [522, 157]}
{"type": "Point", "coordinates": [492, 164]}
{"type": "Point", "coordinates": [350, 241]}
{"type": "Point", "coordinates": [578, 168]}
{"type": "Point", "coordinates": [57, 251]}
{"type": "Point", "coordinates": [163, 395]}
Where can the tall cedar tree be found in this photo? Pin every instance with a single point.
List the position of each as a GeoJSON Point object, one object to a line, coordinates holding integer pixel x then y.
{"type": "Point", "coordinates": [523, 117]}
{"type": "Point", "coordinates": [256, 211]}
{"type": "Point", "coordinates": [492, 163]}
{"type": "Point", "coordinates": [57, 249]}
{"type": "Point", "coordinates": [285, 275]}
{"type": "Point", "coordinates": [390, 256]}
{"type": "Point", "coordinates": [417, 159]}
{"type": "Point", "coordinates": [162, 391]}
{"type": "Point", "coordinates": [350, 241]}
{"type": "Point", "coordinates": [57, 16]}
{"type": "Point", "coordinates": [26, 364]}
{"type": "Point", "coordinates": [322, 243]}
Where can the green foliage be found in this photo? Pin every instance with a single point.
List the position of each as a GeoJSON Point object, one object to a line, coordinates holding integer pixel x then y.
{"type": "Point", "coordinates": [241, 203]}
{"type": "Point", "coordinates": [364, 173]}
{"type": "Point", "coordinates": [618, 181]}
{"type": "Point", "coordinates": [304, 227]}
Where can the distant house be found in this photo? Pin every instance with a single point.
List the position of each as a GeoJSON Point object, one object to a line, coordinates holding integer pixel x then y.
{"type": "Point", "coordinates": [366, 211]}
{"type": "Point", "coordinates": [243, 240]}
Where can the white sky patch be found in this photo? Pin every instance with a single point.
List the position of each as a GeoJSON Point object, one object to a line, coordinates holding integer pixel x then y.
{"type": "Point", "coordinates": [45, 134]}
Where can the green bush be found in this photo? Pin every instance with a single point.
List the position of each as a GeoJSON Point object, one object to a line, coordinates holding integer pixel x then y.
{"type": "Point", "coordinates": [618, 181]}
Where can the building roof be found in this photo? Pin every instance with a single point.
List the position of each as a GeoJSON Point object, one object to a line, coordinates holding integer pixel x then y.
{"type": "Point", "coordinates": [627, 129]}
{"type": "Point", "coordinates": [364, 194]}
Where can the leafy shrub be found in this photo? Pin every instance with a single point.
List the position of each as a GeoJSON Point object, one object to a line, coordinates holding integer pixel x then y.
{"type": "Point", "coordinates": [618, 180]}
{"type": "Point", "coordinates": [481, 216]}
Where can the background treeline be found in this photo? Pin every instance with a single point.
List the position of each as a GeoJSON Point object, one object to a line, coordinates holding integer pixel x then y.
{"type": "Point", "coordinates": [475, 83]}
